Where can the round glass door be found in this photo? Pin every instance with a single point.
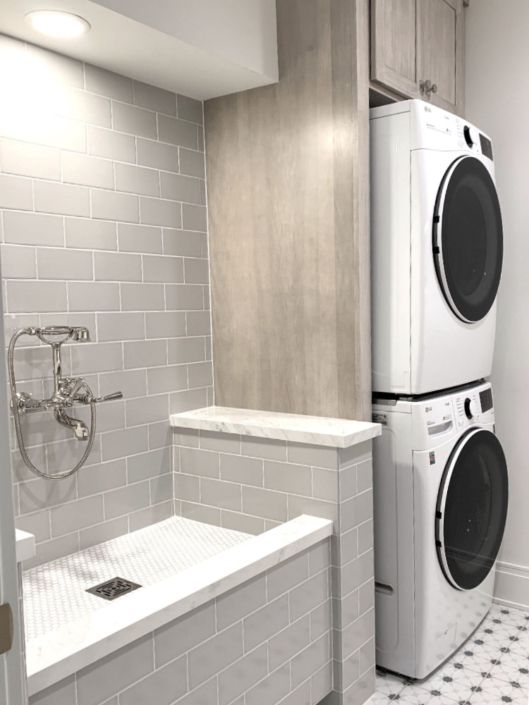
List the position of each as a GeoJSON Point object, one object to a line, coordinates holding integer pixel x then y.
{"type": "Point", "coordinates": [468, 239]}
{"type": "Point", "coordinates": [472, 509]}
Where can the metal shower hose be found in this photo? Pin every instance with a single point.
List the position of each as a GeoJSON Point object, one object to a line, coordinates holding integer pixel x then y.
{"type": "Point", "coordinates": [18, 428]}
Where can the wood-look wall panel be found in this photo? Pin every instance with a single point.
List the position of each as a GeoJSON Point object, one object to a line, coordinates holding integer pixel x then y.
{"type": "Point", "coordinates": [288, 219]}
{"type": "Point", "coordinates": [352, 194]}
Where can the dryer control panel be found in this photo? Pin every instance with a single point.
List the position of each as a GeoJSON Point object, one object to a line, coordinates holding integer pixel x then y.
{"type": "Point", "coordinates": [434, 128]}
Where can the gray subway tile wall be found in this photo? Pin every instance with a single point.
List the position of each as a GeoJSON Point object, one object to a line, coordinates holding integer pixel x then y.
{"type": "Point", "coordinates": [94, 189]}
{"type": "Point", "coordinates": [246, 646]}
{"type": "Point", "coordinates": [259, 474]}
{"type": "Point", "coordinates": [252, 485]}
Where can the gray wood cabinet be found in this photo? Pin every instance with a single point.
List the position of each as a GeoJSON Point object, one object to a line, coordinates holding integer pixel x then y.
{"type": "Point", "coordinates": [417, 49]}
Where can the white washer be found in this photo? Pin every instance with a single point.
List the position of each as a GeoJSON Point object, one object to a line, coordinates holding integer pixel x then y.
{"type": "Point", "coordinates": [440, 504]}
{"type": "Point", "coordinates": [437, 249]}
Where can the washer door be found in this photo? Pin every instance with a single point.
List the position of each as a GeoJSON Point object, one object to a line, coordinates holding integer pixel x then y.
{"type": "Point", "coordinates": [472, 509]}
{"type": "Point", "coordinates": [468, 239]}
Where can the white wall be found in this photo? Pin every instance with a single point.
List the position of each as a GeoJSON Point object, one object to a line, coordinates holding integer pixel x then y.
{"type": "Point", "coordinates": [497, 100]}
{"type": "Point", "coordinates": [240, 31]}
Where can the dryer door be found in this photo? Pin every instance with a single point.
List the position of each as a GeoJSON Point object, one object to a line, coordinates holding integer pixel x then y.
{"type": "Point", "coordinates": [472, 509]}
{"type": "Point", "coordinates": [468, 239]}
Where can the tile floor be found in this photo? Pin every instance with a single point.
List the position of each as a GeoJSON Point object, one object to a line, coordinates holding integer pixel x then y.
{"type": "Point", "coordinates": [491, 668]}
{"type": "Point", "coordinates": [55, 593]}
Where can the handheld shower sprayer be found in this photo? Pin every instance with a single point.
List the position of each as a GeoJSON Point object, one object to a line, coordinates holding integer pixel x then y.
{"type": "Point", "coordinates": [67, 392]}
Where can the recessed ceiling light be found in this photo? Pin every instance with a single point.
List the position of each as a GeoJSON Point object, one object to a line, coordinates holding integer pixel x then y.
{"type": "Point", "coordinates": [58, 24]}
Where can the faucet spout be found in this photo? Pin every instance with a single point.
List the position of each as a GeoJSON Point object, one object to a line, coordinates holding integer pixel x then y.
{"type": "Point", "coordinates": [79, 428]}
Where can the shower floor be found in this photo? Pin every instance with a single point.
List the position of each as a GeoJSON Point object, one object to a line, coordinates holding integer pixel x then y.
{"type": "Point", "coordinates": [55, 593]}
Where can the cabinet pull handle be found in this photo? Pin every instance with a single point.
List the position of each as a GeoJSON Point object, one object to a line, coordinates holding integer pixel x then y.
{"type": "Point", "coordinates": [427, 87]}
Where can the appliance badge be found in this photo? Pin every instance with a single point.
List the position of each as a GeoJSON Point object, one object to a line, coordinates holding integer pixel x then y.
{"type": "Point", "coordinates": [432, 457]}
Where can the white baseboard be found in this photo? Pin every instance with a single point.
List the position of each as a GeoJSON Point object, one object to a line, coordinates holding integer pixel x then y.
{"type": "Point", "coordinates": [512, 585]}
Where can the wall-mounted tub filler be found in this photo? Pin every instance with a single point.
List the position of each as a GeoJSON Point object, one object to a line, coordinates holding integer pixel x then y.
{"type": "Point", "coordinates": [67, 392]}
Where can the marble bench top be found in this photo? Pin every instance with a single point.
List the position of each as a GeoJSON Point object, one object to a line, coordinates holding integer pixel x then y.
{"type": "Point", "coordinates": [316, 430]}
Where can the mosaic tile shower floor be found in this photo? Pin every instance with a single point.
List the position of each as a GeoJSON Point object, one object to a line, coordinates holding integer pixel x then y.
{"type": "Point", "coordinates": [55, 593]}
{"type": "Point", "coordinates": [491, 668]}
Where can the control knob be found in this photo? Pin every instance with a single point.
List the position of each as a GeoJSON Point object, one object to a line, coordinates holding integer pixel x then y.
{"type": "Point", "coordinates": [468, 136]}
{"type": "Point", "coordinates": [471, 408]}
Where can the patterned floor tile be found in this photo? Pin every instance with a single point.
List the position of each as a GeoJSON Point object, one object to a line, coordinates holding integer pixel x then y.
{"type": "Point", "coordinates": [496, 692]}
{"type": "Point", "coordinates": [481, 660]}
{"type": "Point", "coordinates": [425, 694]}
{"type": "Point", "coordinates": [491, 668]}
{"type": "Point", "coordinates": [418, 696]}
{"type": "Point", "coordinates": [458, 684]}
{"type": "Point", "coordinates": [506, 615]}
{"type": "Point", "coordinates": [389, 684]}
{"type": "Point", "coordinates": [513, 668]}
{"type": "Point", "coordinates": [411, 695]}
{"type": "Point", "coordinates": [379, 699]}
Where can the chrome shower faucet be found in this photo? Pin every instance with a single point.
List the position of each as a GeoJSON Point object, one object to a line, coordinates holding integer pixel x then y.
{"type": "Point", "coordinates": [67, 391]}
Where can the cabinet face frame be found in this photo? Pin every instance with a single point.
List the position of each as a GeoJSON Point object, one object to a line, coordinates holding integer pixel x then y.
{"type": "Point", "coordinates": [387, 77]}
{"type": "Point", "coordinates": [380, 71]}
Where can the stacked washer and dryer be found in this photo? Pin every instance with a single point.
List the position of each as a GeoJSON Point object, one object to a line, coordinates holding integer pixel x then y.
{"type": "Point", "coordinates": [440, 476]}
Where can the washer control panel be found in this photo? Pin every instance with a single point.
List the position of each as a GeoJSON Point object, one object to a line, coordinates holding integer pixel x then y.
{"type": "Point", "coordinates": [433, 420]}
{"type": "Point", "coordinates": [439, 417]}
{"type": "Point", "coordinates": [473, 405]}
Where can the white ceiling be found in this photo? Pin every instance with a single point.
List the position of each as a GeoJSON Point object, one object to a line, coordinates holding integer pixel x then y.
{"type": "Point", "coordinates": [201, 48]}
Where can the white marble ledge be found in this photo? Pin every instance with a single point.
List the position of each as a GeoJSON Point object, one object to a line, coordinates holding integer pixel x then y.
{"type": "Point", "coordinates": [25, 545]}
{"type": "Point", "coordinates": [74, 646]}
{"type": "Point", "coordinates": [315, 430]}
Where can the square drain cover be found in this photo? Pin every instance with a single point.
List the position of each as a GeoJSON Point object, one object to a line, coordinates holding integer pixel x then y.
{"type": "Point", "coordinates": [111, 589]}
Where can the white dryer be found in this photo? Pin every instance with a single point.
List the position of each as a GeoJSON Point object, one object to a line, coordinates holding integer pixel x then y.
{"type": "Point", "coordinates": [440, 505]}
{"type": "Point", "coordinates": [437, 249]}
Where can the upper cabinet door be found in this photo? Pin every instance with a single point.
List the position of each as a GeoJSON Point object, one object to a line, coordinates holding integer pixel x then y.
{"type": "Point", "coordinates": [394, 53]}
{"type": "Point", "coordinates": [417, 49]}
{"type": "Point", "coordinates": [440, 36]}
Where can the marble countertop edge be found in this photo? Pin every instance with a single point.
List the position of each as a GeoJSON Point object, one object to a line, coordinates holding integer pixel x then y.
{"type": "Point", "coordinates": [296, 428]}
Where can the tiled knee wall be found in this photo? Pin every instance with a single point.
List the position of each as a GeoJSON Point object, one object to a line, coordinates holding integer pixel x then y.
{"type": "Point", "coordinates": [103, 224]}
{"type": "Point", "coordinates": [253, 484]}
{"type": "Point", "coordinates": [268, 642]}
